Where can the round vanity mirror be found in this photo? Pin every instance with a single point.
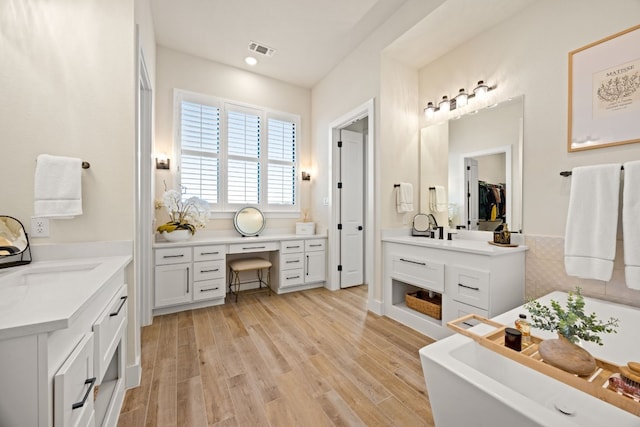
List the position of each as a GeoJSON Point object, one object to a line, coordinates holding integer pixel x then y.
{"type": "Point", "coordinates": [249, 221]}
{"type": "Point", "coordinates": [421, 222]}
{"type": "Point", "coordinates": [13, 242]}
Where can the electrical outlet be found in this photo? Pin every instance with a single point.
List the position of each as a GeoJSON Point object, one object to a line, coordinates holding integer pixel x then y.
{"type": "Point", "coordinates": [39, 227]}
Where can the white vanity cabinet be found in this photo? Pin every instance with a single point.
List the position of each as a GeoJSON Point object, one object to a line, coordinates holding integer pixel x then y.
{"type": "Point", "coordinates": [471, 277]}
{"type": "Point", "coordinates": [315, 260]}
{"type": "Point", "coordinates": [209, 272]}
{"type": "Point", "coordinates": [189, 274]}
{"type": "Point", "coordinates": [302, 262]}
{"type": "Point", "coordinates": [173, 276]}
{"type": "Point", "coordinates": [67, 370]}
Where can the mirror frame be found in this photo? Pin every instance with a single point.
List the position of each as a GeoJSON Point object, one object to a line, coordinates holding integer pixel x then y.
{"type": "Point", "coordinates": [24, 254]}
{"type": "Point", "coordinates": [239, 226]}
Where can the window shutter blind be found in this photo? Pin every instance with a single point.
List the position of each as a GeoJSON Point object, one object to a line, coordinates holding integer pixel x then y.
{"type": "Point", "coordinates": [281, 188]}
{"type": "Point", "coordinates": [243, 148]}
{"type": "Point", "coordinates": [200, 149]}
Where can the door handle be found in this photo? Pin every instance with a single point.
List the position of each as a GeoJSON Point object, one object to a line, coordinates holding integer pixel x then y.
{"type": "Point", "coordinates": [359, 227]}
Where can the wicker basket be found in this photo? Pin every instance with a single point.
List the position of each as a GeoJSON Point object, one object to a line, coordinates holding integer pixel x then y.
{"type": "Point", "coordinates": [420, 301]}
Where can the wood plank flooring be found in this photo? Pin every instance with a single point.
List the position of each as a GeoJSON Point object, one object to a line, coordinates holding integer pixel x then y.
{"type": "Point", "coordinates": [312, 358]}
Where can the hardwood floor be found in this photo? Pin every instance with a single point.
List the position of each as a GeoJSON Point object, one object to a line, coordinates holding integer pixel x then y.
{"type": "Point", "coordinates": [312, 358]}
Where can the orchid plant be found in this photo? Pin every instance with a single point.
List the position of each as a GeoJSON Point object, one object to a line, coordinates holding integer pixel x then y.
{"type": "Point", "coordinates": [186, 214]}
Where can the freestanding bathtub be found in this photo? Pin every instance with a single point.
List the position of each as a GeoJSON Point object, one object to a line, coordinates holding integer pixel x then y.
{"type": "Point", "coordinates": [470, 385]}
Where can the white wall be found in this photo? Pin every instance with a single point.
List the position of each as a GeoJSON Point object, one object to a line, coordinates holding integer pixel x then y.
{"type": "Point", "coordinates": [354, 81]}
{"type": "Point", "coordinates": [67, 84]}
{"type": "Point", "coordinates": [182, 71]}
{"type": "Point", "coordinates": [529, 55]}
{"type": "Point", "coordinates": [144, 21]}
{"type": "Point", "coordinates": [69, 95]}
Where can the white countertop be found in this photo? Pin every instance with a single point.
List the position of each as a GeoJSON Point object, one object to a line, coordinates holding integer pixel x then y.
{"type": "Point", "coordinates": [200, 239]}
{"type": "Point", "coordinates": [45, 296]}
{"type": "Point", "coordinates": [458, 245]}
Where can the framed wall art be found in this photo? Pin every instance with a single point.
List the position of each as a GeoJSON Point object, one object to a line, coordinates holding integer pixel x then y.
{"type": "Point", "coordinates": [604, 92]}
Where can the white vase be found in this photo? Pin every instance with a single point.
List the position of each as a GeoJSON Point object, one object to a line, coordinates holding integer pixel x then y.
{"type": "Point", "coordinates": [177, 235]}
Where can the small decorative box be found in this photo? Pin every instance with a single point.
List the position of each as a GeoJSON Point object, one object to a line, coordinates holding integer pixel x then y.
{"type": "Point", "coordinates": [306, 228]}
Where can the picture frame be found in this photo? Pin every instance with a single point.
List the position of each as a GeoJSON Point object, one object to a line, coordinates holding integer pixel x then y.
{"type": "Point", "coordinates": [604, 92]}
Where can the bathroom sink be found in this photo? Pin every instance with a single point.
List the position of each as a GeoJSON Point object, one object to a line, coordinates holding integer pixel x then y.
{"type": "Point", "coordinates": [53, 274]}
{"type": "Point", "coordinates": [45, 296]}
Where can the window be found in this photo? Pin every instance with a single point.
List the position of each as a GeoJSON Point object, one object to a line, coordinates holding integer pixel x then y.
{"type": "Point", "coordinates": [229, 157]}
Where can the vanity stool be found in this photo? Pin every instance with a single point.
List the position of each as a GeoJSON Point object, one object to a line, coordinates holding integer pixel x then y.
{"type": "Point", "coordinates": [248, 264]}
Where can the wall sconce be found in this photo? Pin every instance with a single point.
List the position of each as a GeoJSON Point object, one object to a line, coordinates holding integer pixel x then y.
{"type": "Point", "coordinates": [163, 162]}
{"type": "Point", "coordinates": [461, 100]}
{"type": "Point", "coordinates": [306, 176]}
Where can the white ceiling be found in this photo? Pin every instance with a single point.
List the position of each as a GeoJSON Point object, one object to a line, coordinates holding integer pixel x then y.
{"type": "Point", "coordinates": [310, 36]}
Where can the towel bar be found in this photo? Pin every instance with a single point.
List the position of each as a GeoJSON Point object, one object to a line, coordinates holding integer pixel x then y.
{"type": "Point", "coordinates": [568, 173]}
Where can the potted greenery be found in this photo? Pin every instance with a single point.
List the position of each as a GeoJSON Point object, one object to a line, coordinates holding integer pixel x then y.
{"type": "Point", "coordinates": [571, 324]}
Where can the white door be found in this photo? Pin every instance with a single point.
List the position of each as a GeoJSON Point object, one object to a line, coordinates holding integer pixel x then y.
{"type": "Point", "coordinates": [351, 208]}
{"type": "Point", "coordinates": [471, 202]}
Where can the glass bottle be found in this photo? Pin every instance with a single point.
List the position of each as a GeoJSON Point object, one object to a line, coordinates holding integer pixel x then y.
{"type": "Point", "coordinates": [525, 328]}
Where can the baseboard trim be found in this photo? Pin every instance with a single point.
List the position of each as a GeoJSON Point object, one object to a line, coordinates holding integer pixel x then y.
{"type": "Point", "coordinates": [376, 307]}
{"type": "Point", "coordinates": [133, 375]}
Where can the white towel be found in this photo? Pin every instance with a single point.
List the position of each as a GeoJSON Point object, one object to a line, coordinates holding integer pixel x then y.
{"type": "Point", "coordinates": [58, 187]}
{"type": "Point", "coordinates": [440, 199]}
{"type": "Point", "coordinates": [404, 197]}
{"type": "Point", "coordinates": [592, 222]}
{"type": "Point", "coordinates": [631, 224]}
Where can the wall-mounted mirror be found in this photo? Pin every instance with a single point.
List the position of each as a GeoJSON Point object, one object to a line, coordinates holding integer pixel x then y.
{"type": "Point", "coordinates": [483, 171]}
{"type": "Point", "coordinates": [249, 221]}
{"type": "Point", "coordinates": [14, 243]}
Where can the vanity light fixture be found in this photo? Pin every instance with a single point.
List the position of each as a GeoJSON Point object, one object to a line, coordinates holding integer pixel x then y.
{"type": "Point", "coordinates": [481, 89]}
{"type": "Point", "coordinates": [445, 104]}
{"type": "Point", "coordinates": [306, 176]}
{"type": "Point", "coordinates": [462, 99]}
{"type": "Point", "coordinates": [163, 162]}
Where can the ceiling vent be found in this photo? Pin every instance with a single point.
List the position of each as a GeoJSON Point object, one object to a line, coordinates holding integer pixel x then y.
{"type": "Point", "coordinates": [261, 49]}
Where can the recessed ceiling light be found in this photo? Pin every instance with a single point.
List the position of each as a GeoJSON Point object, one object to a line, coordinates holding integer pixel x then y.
{"type": "Point", "coordinates": [250, 60]}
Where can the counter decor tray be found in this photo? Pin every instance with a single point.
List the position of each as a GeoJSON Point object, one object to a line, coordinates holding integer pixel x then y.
{"type": "Point", "coordinates": [596, 385]}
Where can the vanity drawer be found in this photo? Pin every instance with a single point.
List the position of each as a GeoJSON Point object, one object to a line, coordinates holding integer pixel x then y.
{"type": "Point", "coordinates": [418, 272]}
{"type": "Point", "coordinates": [459, 309]}
{"type": "Point", "coordinates": [173, 255]}
{"type": "Point", "coordinates": [249, 247]}
{"type": "Point", "coordinates": [469, 286]}
{"type": "Point", "coordinates": [314, 245]}
{"type": "Point", "coordinates": [209, 253]}
{"type": "Point", "coordinates": [291, 277]}
{"type": "Point", "coordinates": [208, 270]}
{"type": "Point", "coordinates": [292, 246]}
{"type": "Point", "coordinates": [108, 330]}
{"type": "Point", "coordinates": [209, 289]}
{"type": "Point", "coordinates": [291, 261]}
{"type": "Point", "coordinates": [73, 387]}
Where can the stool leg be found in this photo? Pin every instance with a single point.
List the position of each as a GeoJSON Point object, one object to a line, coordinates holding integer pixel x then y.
{"type": "Point", "coordinates": [234, 282]}
{"type": "Point", "coordinates": [269, 280]}
{"type": "Point", "coordinates": [260, 281]}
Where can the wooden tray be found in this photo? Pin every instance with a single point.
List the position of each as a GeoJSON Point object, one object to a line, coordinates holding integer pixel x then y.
{"type": "Point", "coordinates": [596, 385]}
{"type": "Point", "coordinates": [503, 245]}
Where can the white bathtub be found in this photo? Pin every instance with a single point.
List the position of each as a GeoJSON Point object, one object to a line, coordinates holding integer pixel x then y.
{"type": "Point", "coordinates": [470, 385]}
